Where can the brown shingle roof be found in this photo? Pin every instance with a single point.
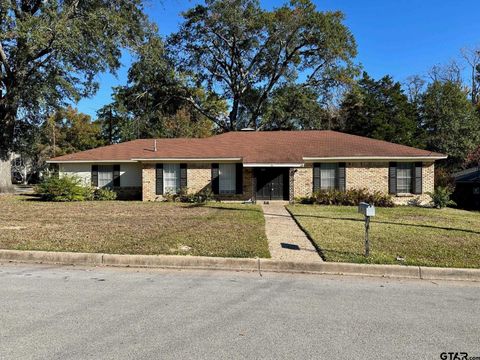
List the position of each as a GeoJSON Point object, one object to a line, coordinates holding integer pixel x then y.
{"type": "Point", "coordinates": [254, 147]}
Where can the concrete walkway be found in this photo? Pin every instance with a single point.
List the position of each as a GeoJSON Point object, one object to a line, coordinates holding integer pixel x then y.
{"type": "Point", "coordinates": [286, 241]}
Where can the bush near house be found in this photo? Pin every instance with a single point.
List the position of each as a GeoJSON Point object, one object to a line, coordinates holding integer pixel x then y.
{"type": "Point", "coordinates": [351, 197]}
{"type": "Point", "coordinates": [185, 197]}
{"type": "Point", "coordinates": [71, 188]}
{"type": "Point", "coordinates": [104, 194]}
{"type": "Point", "coordinates": [65, 188]}
{"type": "Point", "coordinates": [441, 197]}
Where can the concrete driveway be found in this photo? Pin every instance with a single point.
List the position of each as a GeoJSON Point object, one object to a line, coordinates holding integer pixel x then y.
{"type": "Point", "coordinates": [50, 312]}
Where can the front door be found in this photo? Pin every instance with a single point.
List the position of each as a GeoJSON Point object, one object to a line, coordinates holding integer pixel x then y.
{"type": "Point", "coordinates": [272, 183]}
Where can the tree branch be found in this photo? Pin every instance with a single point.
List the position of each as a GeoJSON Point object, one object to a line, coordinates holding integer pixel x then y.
{"type": "Point", "coordinates": [202, 111]}
{"type": "Point", "coordinates": [4, 60]}
{"type": "Point", "coordinates": [16, 10]}
{"type": "Point", "coordinates": [70, 14]}
{"type": "Point", "coordinates": [279, 71]}
{"type": "Point", "coordinates": [314, 72]}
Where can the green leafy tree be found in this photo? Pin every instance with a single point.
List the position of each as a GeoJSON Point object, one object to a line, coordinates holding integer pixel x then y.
{"type": "Point", "coordinates": [68, 131]}
{"type": "Point", "coordinates": [64, 132]}
{"type": "Point", "coordinates": [110, 119]}
{"type": "Point", "coordinates": [154, 98]}
{"type": "Point", "coordinates": [473, 158]}
{"type": "Point", "coordinates": [242, 54]}
{"type": "Point", "coordinates": [294, 107]}
{"type": "Point", "coordinates": [379, 109]}
{"type": "Point", "coordinates": [450, 121]}
{"type": "Point", "coordinates": [50, 52]}
{"type": "Point", "coordinates": [181, 124]}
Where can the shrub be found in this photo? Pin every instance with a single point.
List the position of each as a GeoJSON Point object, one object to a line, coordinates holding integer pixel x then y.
{"type": "Point", "coordinates": [104, 194]}
{"type": "Point", "coordinates": [64, 188]}
{"type": "Point", "coordinates": [351, 197]}
{"type": "Point", "coordinates": [70, 188]}
{"type": "Point", "coordinates": [169, 197]}
{"type": "Point", "coordinates": [89, 193]}
{"type": "Point", "coordinates": [441, 197]}
{"type": "Point", "coordinates": [305, 200]}
{"type": "Point", "coordinates": [200, 197]}
{"type": "Point", "coordinates": [206, 195]}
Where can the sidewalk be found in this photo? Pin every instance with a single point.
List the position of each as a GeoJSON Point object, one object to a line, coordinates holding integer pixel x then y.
{"type": "Point", "coordinates": [286, 241]}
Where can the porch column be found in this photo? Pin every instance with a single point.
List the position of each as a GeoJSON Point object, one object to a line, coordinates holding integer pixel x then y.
{"type": "Point", "coordinates": [291, 185]}
{"type": "Point", "coordinates": [254, 186]}
{"type": "Point", "coordinates": [148, 182]}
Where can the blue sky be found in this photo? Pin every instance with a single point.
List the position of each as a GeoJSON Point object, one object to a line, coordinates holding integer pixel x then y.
{"type": "Point", "coordinates": [395, 37]}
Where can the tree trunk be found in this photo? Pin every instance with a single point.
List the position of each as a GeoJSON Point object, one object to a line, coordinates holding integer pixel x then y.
{"type": "Point", "coordinates": [7, 124]}
{"type": "Point", "coordinates": [234, 114]}
{"type": "Point", "coordinates": [5, 175]}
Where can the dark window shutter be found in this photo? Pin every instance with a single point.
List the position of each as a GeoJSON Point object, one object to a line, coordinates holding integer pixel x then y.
{"type": "Point", "coordinates": [417, 178]}
{"type": "Point", "coordinates": [215, 179]}
{"type": "Point", "coordinates": [95, 175]}
{"type": "Point", "coordinates": [316, 177]}
{"type": "Point", "coordinates": [116, 175]}
{"type": "Point", "coordinates": [239, 178]}
{"type": "Point", "coordinates": [159, 179]}
{"type": "Point", "coordinates": [392, 178]}
{"type": "Point", "coordinates": [341, 183]}
{"type": "Point", "coordinates": [183, 176]}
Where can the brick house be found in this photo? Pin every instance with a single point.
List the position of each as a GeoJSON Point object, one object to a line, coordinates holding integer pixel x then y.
{"type": "Point", "coordinates": [243, 165]}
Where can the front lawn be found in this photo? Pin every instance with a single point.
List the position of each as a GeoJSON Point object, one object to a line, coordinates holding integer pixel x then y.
{"type": "Point", "coordinates": [428, 237]}
{"type": "Point", "coordinates": [133, 227]}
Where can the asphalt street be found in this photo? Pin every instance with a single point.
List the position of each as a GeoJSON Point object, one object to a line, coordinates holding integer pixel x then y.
{"type": "Point", "coordinates": [54, 312]}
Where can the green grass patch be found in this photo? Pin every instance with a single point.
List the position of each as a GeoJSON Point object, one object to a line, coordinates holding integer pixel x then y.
{"type": "Point", "coordinates": [133, 227]}
{"type": "Point", "coordinates": [422, 236]}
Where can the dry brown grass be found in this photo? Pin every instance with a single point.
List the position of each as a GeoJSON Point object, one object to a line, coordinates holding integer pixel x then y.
{"type": "Point", "coordinates": [132, 227]}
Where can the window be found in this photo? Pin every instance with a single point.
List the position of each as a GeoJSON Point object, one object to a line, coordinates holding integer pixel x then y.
{"type": "Point", "coordinates": [171, 178]}
{"type": "Point", "coordinates": [329, 176]}
{"type": "Point", "coordinates": [404, 178]}
{"type": "Point", "coordinates": [227, 176]}
{"type": "Point", "coordinates": [105, 176]}
{"type": "Point", "coordinates": [328, 172]}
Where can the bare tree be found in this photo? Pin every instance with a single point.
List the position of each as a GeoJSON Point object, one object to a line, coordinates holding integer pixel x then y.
{"type": "Point", "coordinates": [450, 72]}
{"type": "Point", "coordinates": [415, 85]}
{"type": "Point", "coordinates": [471, 55]}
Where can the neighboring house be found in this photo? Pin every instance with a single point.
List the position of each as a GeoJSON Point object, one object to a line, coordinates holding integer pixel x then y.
{"type": "Point", "coordinates": [467, 188]}
{"type": "Point", "coordinates": [23, 169]}
{"type": "Point", "coordinates": [253, 165]}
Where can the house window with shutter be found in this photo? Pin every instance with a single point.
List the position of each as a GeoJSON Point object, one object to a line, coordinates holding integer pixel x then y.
{"type": "Point", "coordinates": [329, 176]}
{"type": "Point", "coordinates": [105, 176]}
{"type": "Point", "coordinates": [227, 178]}
{"type": "Point", "coordinates": [404, 178]}
{"type": "Point", "coordinates": [171, 178]}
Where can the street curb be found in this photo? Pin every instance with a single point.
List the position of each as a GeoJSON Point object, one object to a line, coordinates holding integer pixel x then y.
{"type": "Point", "coordinates": [181, 262]}
{"type": "Point", "coordinates": [236, 264]}
{"type": "Point", "coordinates": [51, 257]}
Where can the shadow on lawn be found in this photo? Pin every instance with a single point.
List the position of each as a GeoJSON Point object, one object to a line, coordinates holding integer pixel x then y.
{"type": "Point", "coordinates": [349, 254]}
{"type": "Point", "coordinates": [31, 197]}
{"type": "Point", "coordinates": [279, 215]}
{"type": "Point", "coordinates": [392, 223]}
